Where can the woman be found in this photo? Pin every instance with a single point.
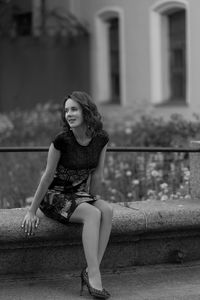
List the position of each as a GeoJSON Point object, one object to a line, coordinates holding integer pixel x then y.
{"type": "Point", "coordinates": [69, 188]}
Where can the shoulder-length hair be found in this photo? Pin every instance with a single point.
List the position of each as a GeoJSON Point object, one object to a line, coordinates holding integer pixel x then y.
{"type": "Point", "coordinates": [91, 116]}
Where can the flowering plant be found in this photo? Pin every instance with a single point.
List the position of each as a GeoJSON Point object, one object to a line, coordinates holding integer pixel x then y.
{"type": "Point", "coordinates": [128, 176]}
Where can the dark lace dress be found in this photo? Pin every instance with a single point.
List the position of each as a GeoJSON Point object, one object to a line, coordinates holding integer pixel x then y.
{"type": "Point", "coordinates": [70, 186]}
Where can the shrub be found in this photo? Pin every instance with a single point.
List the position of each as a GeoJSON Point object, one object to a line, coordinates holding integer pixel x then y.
{"type": "Point", "coordinates": [34, 127]}
{"type": "Point", "coordinates": [157, 132]}
{"type": "Point", "coordinates": [128, 176]}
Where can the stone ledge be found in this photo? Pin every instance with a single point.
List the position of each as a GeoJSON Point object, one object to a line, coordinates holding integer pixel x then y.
{"type": "Point", "coordinates": [143, 233]}
{"type": "Point", "coordinates": [133, 219]}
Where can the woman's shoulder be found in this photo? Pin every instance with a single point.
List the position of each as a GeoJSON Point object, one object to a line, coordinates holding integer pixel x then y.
{"type": "Point", "coordinates": [103, 136]}
{"type": "Point", "coordinates": [61, 139]}
{"type": "Point", "coordinates": [64, 133]}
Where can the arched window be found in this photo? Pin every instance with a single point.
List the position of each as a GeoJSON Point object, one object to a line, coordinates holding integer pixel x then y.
{"type": "Point", "coordinates": [169, 52]}
{"type": "Point", "coordinates": [109, 56]}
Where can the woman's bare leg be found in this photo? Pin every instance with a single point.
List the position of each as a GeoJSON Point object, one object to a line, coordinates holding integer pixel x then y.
{"type": "Point", "coordinates": [105, 226]}
{"type": "Point", "coordinates": [90, 216]}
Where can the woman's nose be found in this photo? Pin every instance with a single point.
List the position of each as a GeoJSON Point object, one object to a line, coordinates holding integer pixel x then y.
{"type": "Point", "coordinates": [69, 113]}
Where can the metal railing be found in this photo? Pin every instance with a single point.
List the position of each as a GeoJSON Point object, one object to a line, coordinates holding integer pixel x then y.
{"type": "Point", "coordinates": [110, 149]}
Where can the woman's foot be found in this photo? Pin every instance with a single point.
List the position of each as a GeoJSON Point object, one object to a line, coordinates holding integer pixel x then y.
{"type": "Point", "coordinates": [97, 293]}
{"type": "Point", "coordinates": [94, 277]}
{"type": "Point", "coordinates": [92, 283]}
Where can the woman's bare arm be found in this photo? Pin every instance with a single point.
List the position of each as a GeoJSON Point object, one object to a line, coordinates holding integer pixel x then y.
{"type": "Point", "coordinates": [31, 220]}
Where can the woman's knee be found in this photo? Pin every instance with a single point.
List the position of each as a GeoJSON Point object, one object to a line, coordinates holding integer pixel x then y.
{"type": "Point", "coordinates": [86, 213]}
{"type": "Point", "coordinates": [93, 214]}
{"type": "Point", "coordinates": [105, 208]}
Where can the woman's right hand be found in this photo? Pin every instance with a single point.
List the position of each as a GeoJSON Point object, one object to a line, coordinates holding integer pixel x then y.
{"type": "Point", "coordinates": [30, 223]}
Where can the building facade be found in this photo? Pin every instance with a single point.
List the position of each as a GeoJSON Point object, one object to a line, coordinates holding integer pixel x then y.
{"type": "Point", "coordinates": [141, 52]}
{"type": "Point", "coordinates": [44, 53]}
{"type": "Point", "coordinates": [145, 52]}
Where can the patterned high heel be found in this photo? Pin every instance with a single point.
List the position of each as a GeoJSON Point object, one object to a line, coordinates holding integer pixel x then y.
{"type": "Point", "coordinates": [85, 275]}
{"type": "Point", "coordinates": [100, 294]}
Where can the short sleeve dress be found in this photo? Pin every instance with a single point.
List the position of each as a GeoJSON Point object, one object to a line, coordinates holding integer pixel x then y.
{"type": "Point", "coordinates": [70, 186]}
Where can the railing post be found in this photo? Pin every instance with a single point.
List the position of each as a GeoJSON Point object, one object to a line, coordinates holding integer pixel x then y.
{"type": "Point", "coordinates": [195, 171]}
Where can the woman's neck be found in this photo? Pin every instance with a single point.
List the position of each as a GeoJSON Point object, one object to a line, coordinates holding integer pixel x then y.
{"type": "Point", "coordinates": [80, 133]}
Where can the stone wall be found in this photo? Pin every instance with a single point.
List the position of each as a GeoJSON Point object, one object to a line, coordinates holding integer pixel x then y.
{"type": "Point", "coordinates": [145, 232]}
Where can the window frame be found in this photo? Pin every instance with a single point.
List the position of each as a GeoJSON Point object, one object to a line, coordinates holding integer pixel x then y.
{"type": "Point", "coordinates": [101, 81]}
{"type": "Point", "coordinates": [159, 43]}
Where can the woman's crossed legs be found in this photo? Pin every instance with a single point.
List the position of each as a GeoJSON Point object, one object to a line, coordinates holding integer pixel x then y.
{"type": "Point", "coordinates": [97, 223]}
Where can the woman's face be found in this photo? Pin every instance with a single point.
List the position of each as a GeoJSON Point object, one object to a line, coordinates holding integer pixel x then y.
{"type": "Point", "coordinates": [73, 113]}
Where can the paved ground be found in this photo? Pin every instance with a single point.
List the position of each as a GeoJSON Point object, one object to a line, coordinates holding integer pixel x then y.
{"type": "Point", "coordinates": [166, 282]}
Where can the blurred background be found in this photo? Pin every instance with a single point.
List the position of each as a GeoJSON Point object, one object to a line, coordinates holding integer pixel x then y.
{"type": "Point", "coordinates": [139, 59]}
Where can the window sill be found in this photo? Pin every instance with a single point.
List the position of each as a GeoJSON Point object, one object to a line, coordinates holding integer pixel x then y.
{"type": "Point", "coordinates": [172, 103]}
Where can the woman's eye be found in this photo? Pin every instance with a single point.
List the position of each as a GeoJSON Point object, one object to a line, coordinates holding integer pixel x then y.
{"type": "Point", "coordinates": [72, 109]}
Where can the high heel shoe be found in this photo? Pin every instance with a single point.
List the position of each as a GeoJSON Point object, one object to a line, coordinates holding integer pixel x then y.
{"type": "Point", "coordinates": [100, 294]}
{"type": "Point", "coordinates": [84, 274]}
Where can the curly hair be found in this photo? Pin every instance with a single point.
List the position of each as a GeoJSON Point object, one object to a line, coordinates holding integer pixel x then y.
{"type": "Point", "coordinates": [91, 116]}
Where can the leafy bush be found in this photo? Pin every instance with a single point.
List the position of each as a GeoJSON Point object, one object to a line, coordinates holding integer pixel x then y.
{"type": "Point", "coordinates": [34, 127]}
{"type": "Point", "coordinates": [128, 176]}
{"type": "Point", "coordinates": [156, 132]}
